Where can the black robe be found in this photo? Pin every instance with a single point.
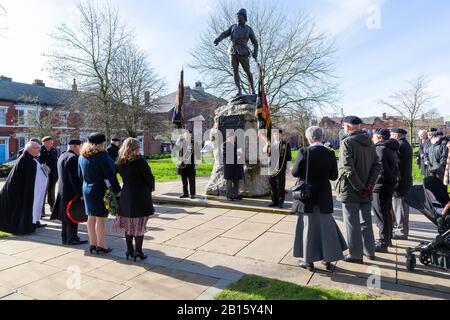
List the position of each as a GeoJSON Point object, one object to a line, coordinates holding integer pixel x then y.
{"type": "Point", "coordinates": [69, 186]}
{"type": "Point", "coordinates": [232, 171]}
{"type": "Point", "coordinates": [17, 196]}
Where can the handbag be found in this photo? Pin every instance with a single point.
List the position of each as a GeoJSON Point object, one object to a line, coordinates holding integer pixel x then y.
{"type": "Point", "coordinates": [302, 190]}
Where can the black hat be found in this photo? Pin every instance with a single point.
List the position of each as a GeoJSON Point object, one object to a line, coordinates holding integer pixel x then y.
{"type": "Point", "coordinates": [280, 131]}
{"type": "Point", "coordinates": [116, 140]}
{"type": "Point", "coordinates": [437, 133]}
{"type": "Point", "coordinates": [433, 130]}
{"type": "Point", "coordinates": [97, 138]}
{"type": "Point", "coordinates": [352, 120]}
{"type": "Point", "coordinates": [385, 133]}
{"type": "Point", "coordinates": [399, 130]}
{"type": "Point", "coordinates": [75, 142]}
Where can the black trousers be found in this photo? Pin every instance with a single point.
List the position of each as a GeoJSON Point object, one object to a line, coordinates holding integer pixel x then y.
{"type": "Point", "coordinates": [382, 208]}
{"type": "Point", "coordinates": [69, 231]}
{"type": "Point", "coordinates": [232, 189]}
{"type": "Point", "coordinates": [278, 186]}
{"type": "Point", "coordinates": [188, 185]}
{"type": "Point", "coordinates": [51, 198]}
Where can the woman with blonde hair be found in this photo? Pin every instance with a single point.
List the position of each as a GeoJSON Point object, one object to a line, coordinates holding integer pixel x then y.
{"type": "Point", "coordinates": [96, 168]}
{"type": "Point", "coordinates": [135, 206]}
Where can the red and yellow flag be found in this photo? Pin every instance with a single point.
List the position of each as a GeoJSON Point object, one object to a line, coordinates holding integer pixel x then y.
{"type": "Point", "coordinates": [262, 107]}
{"type": "Point", "coordinates": [178, 112]}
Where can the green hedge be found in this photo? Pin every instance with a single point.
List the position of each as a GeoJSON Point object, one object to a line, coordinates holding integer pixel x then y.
{"type": "Point", "coordinates": [158, 156]}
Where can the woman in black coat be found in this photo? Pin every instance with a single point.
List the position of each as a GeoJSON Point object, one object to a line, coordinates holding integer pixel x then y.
{"type": "Point", "coordinates": [317, 237]}
{"type": "Point", "coordinates": [136, 205]}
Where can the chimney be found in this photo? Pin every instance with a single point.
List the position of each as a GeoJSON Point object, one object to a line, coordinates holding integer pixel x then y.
{"type": "Point", "coordinates": [74, 86]}
{"type": "Point", "coordinates": [38, 83]}
{"type": "Point", "coordinates": [199, 86]}
{"type": "Point", "coordinates": [384, 116]}
{"type": "Point", "coordinates": [147, 98]}
{"type": "Point", "coordinates": [3, 78]}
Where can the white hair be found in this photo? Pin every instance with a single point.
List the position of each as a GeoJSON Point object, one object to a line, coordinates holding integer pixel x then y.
{"type": "Point", "coordinates": [30, 145]}
{"type": "Point", "coordinates": [314, 134]}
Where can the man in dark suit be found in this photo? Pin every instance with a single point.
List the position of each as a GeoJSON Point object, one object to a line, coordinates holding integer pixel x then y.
{"type": "Point", "coordinates": [281, 156]}
{"type": "Point", "coordinates": [113, 149]}
{"type": "Point", "coordinates": [49, 157]}
{"type": "Point", "coordinates": [186, 166]}
{"type": "Point", "coordinates": [401, 208]}
{"type": "Point", "coordinates": [69, 187]}
{"type": "Point", "coordinates": [387, 151]}
{"type": "Point", "coordinates": [233, 166]}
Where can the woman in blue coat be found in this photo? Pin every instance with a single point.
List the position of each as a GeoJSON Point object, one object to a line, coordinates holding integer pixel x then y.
{"type": "Point", "coordinates": [96, 168]}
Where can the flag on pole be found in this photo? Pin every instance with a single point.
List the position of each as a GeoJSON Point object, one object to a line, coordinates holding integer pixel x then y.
{"type": "Point", "coordinates": [263, 108]}
{"type": "Point", "coordinates": [178, 111]}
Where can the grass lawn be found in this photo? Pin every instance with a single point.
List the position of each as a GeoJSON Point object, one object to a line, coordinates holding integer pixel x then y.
{"type": "Point", "coordinates": [4, 235]}
{"type": "Point", "coordinates": [259, 288]}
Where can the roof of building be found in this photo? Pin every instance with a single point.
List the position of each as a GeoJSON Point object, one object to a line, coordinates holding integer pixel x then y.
{"type": "Point", "coordinates": [28, 93]}
{"type": "Point", "coordinates": [167, 103]}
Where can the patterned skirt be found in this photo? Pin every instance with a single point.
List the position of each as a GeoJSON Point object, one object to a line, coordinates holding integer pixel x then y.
{"type": "Point", "coordinates": [136, 227]}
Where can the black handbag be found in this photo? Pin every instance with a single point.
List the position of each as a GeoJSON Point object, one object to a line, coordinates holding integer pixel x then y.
{"type": "Point", "coordinates": [302, 190]}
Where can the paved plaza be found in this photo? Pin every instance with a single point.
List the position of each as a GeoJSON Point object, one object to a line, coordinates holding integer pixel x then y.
{"type": "Point", "coordinates": [195, 252]}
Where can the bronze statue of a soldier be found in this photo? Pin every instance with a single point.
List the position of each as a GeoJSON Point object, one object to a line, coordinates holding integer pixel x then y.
{"type": "Point", "coordinates": [239, 51]}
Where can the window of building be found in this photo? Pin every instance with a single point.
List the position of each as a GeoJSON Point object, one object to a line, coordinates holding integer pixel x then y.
{"type": "Point", "coordinates": [64, 116]}
{"type": "Point", "coordinates": [22, 140]}
{"type": "Point", "coordinates": [27, 116]}
{"type": "Point", "coordinates": [3, 111]}
{"type": "Point", "coordinates": [20, 116]}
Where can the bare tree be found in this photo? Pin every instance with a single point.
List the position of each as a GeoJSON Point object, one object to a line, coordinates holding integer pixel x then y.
{"type": "Point", "coordinates": [410, 103]}
{"type": "Point", "coordinates": [87, 51]}
{"type": "Point", "coordinates": [3, 13]}
{"type": "Point", "coordinates": [297, 59]}
{"type": "Point", "coordinates": [136, 86]}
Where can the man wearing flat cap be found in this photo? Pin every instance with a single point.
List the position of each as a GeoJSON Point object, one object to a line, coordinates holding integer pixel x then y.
{"type": "Point", "coordinates": [113, 149]}
{"type": "Point", "coordinates": [401, 208]}
{"type": "Point", "coordinates": [359, 169]}
{"type": "Point", "coordinates": [387, 151]}
{"type": "Point", "coordinates": [69, 187]}
{"type": "Point", "coordinates": [49, 157]}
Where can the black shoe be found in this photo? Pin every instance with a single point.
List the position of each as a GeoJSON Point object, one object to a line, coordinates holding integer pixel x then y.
{"type": "Point", "coordinates": [92, 249]}
{"type": "Point", "coordinates": [350, 259]}
{"type": "Point", "coordinates": [231, 199]}
{"type": "Point", "coordinates": [381, 248]}
{"type": "Point", "coordinates": [193, 197]}
{"type": "Point", "coordinates": [77, 242]}
{"type": "Point", "coordinates": [273, 205]}
{"type": "Point", "coordinates": [103, 250]}
{"type": "Point", "coordinates": [129, 255]}
{"type": "Point", "coordinates": [40, 225]}
{"type": "Point", "coordinates": [184, 196]}
{"type": "Point", "coordinates": [399, 237]}
{"type": "Point", "coordinates": [281, 206]}
{"type": "Point", "coordinates": [307, 266]}
{"type": "Point", "coordinates": [371, 258]}
{"type": "Point", "coordinates": [327, 265]}
{"type": "Point", "coordinates": [238, 199]}
{"type": "Point", "coordinates": [139, 255]}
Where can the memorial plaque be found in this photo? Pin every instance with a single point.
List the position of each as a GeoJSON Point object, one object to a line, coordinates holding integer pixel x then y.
{"type": "Point", "coordinates": [234, 122]}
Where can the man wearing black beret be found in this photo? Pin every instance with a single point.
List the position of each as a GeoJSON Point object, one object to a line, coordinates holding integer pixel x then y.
{"type": "Point", "coordinates": [387, 151]}
{"type": "Point", "coordinates": [69, 187]}
{"type": "Point", "coordinates": [358, 171]}
{"type": "Point", "coordinates": [401, 208]}
{"type": "Point", "coordinates": [113, 149]}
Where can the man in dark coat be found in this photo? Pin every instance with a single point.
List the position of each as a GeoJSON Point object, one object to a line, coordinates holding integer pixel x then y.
{"type": "Point", "coordinates": [281, 151]}
{"type": "Point", "coordinates": [400, 206]}
{"type": "Point", "coordinates": [233, 167]}
{"type": "Point", "coordinates": [17, 197]}
{"type": "Point", "coordinates": [424, 141]}
{"type": "Point", "coordinates": [358, 171]}
{"type": "Point", "coordinates": [387, 151]}
{"type": "Point", "coordinates": [49, 157]}
{"type": "Point", "coordinates": [187, 167]}
{"type": "Point", "coordinates": [426, 151]}
{"type": "Point", "coordinates": [437, 155]}
{"type": "Point", "coordinates": [113, 149]}
{"type": "Point", "coordinates": [69, 187]}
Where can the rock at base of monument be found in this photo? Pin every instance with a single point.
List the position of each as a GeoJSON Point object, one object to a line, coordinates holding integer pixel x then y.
{"type": "Point", "coordinates": [244, 99]}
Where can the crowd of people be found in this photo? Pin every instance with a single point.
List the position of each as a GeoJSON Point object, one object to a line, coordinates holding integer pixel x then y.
{"type": "Point", "coordinates": [84, 172]}
{"type": "Point", "coordinates": [372, 178]}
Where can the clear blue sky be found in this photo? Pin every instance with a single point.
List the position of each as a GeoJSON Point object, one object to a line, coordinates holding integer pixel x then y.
{"type": "Point", "coordinates": [413, 39]}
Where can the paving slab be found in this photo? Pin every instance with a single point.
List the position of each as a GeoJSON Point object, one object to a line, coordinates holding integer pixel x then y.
{"type": "Point", "coordinates": [226, 246]}
{"type": "Point", "coordinates": [44, 253]}
{"type": "Point", "coordinates": [247, 231]}
{"type": "Point", "coordinates": [271, 247]}
{"type": "Point", "coordinates": [7, 261]}
{"type": "Point", "coordinates": [223, 223]}
{"type": "Point", "coordinates": [15, 245]}
{"type": "Point", "coordinates": [266, 218]}
{"type": "Point", "coordinates": [24, 274]}
{"type": "Point", "coordinates": [166, 252]}
{"type": "Point", "coordinates": [194, 238]}
{"type": "Point", "coordinates": [82, 260]}
{"type": "Point", "coordinates": [138, 295]}
{"type": "Point", "coordinates": [50, 287]}
{"type": "Point", "coordinates": [185, 223]}
{"type": "Point", "coordinates": [94, 290]}
{"type": "Point", "coordinates": [240, 214]}
{"type": "Point", "coordinates": [161, 234]}
{"type": "Point", "coordinates": [119, 271]}
{"type": "Point", "coordinates": [285, 227]}
{"type": "Point", "coordinates": [172, 284]}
